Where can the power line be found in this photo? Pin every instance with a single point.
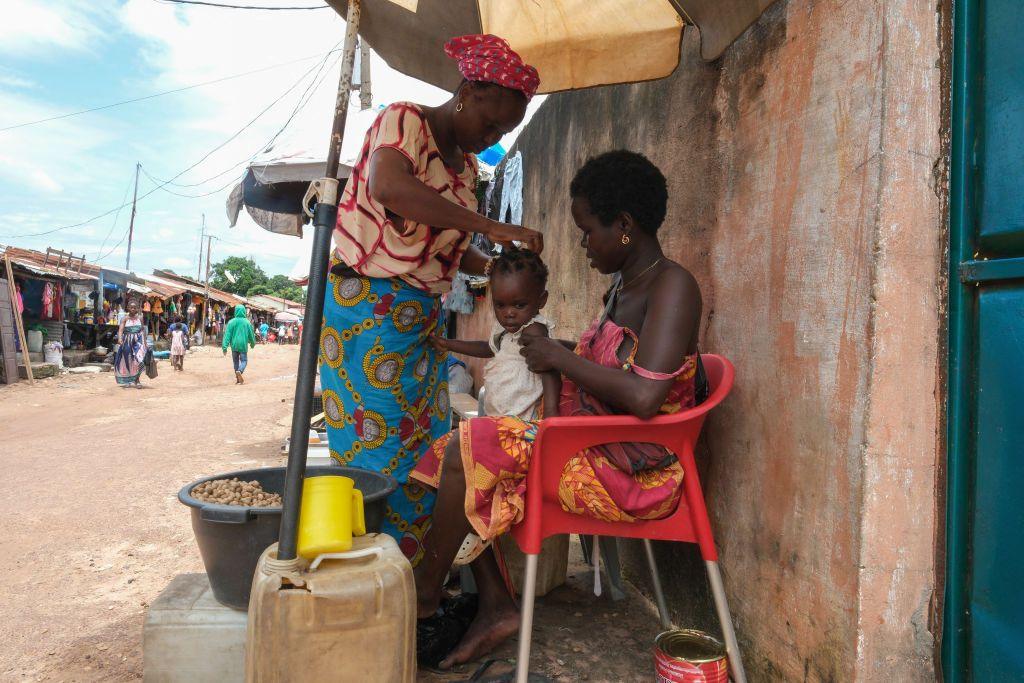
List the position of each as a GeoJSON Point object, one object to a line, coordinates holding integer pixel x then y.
{"type": "Point", "coordinates": [159, 94]}
{"type": "Point", "coordinates": [223, 6]}
{"type": "Point", "coordinates": [116, 216]}
{"type": "Point", "coordinates": [179, 174]}
{"type": "Point", "coordinates": [162, 187]}
{"type": "Point", "coordinates": [303, 100]}
{"type": "Point", "coordinates": [114, 248]}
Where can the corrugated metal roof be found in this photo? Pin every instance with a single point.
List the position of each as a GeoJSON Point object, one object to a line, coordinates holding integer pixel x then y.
{"type": "Point", "coordinates": [197, 287]}
{"type": "Point", "coordinates": [162, 287]}
{"type": "Point", "coordinates": [39, 263]}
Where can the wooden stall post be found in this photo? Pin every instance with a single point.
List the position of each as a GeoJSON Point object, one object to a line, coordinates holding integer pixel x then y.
{"type": "Point", "coordinates": [18, 323]}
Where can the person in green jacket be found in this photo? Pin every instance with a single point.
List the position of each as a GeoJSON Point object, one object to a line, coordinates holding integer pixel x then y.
{"type": "Point", "coordinates": [240, 336]}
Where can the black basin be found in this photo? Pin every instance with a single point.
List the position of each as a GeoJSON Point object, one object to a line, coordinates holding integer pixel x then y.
{"type": "Point", "coordinates": [231, 538]}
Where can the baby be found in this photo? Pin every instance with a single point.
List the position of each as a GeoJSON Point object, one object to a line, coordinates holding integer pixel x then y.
{"type": "Point", "coordinates": [518, 292]}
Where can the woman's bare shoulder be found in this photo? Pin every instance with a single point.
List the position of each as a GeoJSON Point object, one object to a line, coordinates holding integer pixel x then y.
{"type": "Point", "coordinates": [676, 284]}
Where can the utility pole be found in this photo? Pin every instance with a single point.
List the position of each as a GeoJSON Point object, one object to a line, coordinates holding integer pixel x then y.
{"type": "Point", "coordinates": [202, 236]}
{"type": "Point", "coordinates": [365, 91]}
{"type": "Point", "coordinates": [131, 222]}
{"type": "Point", "coordinates": [206, 301]}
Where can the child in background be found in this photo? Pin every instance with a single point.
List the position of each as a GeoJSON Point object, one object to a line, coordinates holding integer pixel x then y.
{"type": "Point", "coordinates": [518, 292]}
{"type": "Point", "coordinates": [178, 332]}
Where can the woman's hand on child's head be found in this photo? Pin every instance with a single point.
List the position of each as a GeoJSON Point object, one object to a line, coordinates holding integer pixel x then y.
{"type": "Point", "coordinates": [541, 353]}
{"type": "Point", "coordinates": [506, 233]}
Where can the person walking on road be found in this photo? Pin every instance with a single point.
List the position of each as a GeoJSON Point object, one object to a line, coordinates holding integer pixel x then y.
{"type": "Point", "coordinates": [240, 336]}
{"type": "Point", "coordinates": [129, 361]}
{"type": "Point", "coordinates": [264, 331]}
{"type": "Point", "coordinates": [178, 332]}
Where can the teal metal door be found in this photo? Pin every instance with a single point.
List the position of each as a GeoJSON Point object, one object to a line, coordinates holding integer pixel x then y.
{"type": "Point", "coordinates": [983, 634]}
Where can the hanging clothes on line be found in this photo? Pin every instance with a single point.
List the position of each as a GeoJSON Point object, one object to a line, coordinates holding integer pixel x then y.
{"type": "Point", "coordinates": [512, 190]}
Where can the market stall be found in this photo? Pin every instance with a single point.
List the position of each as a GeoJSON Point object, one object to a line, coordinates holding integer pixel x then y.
{"type": "Point", "coordinates": [161, 303]}
{"type": "Point", "coordinates": [205, 309]}
{"type": "Point", "coordinates": [57, 299]}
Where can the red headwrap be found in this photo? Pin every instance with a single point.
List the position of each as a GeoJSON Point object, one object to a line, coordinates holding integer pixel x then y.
{"type": "Point", "coordinates": [483, 57]}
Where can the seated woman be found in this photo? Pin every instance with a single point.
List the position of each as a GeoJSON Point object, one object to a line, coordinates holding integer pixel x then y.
{"type": "Point", "coordinates": [637, 358]}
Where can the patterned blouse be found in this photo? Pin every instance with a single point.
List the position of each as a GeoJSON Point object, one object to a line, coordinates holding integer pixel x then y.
{"type": "Point", "coordinates": [378, 243]}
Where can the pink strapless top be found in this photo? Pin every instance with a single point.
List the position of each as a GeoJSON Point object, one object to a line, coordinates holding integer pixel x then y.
{"type": "Point", "coordinates": [600, 344]}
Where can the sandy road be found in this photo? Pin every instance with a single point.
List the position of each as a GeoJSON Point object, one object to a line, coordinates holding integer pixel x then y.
{"type": "Point", "coordinates": [90, 526]}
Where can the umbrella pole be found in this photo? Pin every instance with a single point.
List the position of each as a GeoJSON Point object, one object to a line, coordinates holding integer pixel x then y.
{"type": "Point", "coordinates": [324, 217]}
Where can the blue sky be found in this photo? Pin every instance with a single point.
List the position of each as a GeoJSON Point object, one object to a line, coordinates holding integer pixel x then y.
{"type": "Point", "coordinates": [61, 56]}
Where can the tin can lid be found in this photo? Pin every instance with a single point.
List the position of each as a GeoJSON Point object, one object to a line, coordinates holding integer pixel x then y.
{"type": "Point", "coordinates": [690, 645]}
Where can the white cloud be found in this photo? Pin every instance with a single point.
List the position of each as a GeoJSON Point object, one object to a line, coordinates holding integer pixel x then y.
{"type": "Point", "coordinates": [36, 155]}
{"type": "Point", "coordinates": [72, 169]}
{"type": "Point", "coordinates": [177, 262]}
{"type": "Point", "coordinates": [34, 27]}
{"type": "Point", "coordinates": [11, 80]}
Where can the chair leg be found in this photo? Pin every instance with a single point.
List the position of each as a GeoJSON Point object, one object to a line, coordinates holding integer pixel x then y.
{"type": "Point", "coordinates": [659, 594]}
{"type": "Point", "coordinates": [732, 648]}
{"type": "Point", "coordinates": [526, 619]}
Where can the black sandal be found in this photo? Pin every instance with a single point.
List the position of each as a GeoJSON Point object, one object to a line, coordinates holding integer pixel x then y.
{"type": "Point", "coordinates": [438, 634]}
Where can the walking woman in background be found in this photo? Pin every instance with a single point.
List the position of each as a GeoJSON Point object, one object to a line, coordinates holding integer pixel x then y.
{"type": "Point", "coordinates": [404, 227]}
{"type": "Point", "coordinates": [129, 361]}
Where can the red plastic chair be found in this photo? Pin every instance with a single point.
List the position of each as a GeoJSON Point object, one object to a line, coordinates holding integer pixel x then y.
{"type": "Point", "coordinates": [559, 438]}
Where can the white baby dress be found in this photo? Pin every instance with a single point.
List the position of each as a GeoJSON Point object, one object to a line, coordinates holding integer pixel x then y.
{"type": "Point", "coordinates": [511, 389]}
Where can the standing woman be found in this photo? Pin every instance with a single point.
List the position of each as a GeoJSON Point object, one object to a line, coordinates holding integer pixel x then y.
{"type": "Point", "coordinates": [404, 226]}
{"type": "Point", "coordinates": [129, 361]}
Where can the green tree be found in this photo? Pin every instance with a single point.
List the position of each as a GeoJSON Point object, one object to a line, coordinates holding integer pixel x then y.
{"type": "Point", "coordinates": [246, 273]}
{"type": "Point", "coordinates": [281, 285]}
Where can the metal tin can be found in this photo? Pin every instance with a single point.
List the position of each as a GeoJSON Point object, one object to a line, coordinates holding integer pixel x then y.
{"type": "Point", "coordinates": [689, 656]}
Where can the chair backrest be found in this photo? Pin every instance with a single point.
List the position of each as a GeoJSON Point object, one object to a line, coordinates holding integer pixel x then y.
{"type": "Point", "coordinates": [721, 375]}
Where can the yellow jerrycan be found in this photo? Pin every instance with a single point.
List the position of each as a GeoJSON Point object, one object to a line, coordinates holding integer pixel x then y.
{"type": "Point", "coordinates": [351, 619]}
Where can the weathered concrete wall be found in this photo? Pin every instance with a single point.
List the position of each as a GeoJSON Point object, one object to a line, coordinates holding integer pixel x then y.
{"type": "Point", "coordinates": [801, 197]}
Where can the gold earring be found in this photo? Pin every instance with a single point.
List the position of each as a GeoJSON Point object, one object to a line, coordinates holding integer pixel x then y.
{"type": "Point", "coordinates": [458, 107]}
{"type": "Point", "coordinates": [625, 239]}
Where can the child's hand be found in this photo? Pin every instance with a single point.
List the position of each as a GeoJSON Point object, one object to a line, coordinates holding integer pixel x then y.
{"type": "Point", "coordinates": [437, 342]}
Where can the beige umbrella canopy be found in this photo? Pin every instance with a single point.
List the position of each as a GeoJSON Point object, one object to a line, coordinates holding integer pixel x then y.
{"type": "Point", "coordinates": [572, 43]}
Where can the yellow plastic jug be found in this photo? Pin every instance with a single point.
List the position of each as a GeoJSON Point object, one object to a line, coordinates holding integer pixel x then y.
{"type": "Point", "coordinates": [330, 515]}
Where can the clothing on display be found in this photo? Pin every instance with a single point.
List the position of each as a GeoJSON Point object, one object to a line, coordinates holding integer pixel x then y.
{"type": "Point", "coordinates": [53, 301]}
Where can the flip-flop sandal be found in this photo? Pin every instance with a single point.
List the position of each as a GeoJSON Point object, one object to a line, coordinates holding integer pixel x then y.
{"type": "Point", "coordinates": [438, 634]}
{"type": "Point", "coordinates": [502, 671]}
{"type": "Point", "coordinates": [462, 607]}
{"type": "Point", "coordinates": [472, 547]}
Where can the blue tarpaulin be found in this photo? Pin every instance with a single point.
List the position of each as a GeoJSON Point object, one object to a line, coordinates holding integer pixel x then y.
{"type": "Point", "coordinates": [492, 155]}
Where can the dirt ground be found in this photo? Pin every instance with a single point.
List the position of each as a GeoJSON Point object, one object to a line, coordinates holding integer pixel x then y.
{"type": "Point", "coordinates": [91, 529]}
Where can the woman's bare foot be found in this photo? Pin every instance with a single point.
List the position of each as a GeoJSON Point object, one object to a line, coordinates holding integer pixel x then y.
{"type": "Point", "coordinates": [427, 603]}
{"type": "Point", "coordinates": [489, 630]}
